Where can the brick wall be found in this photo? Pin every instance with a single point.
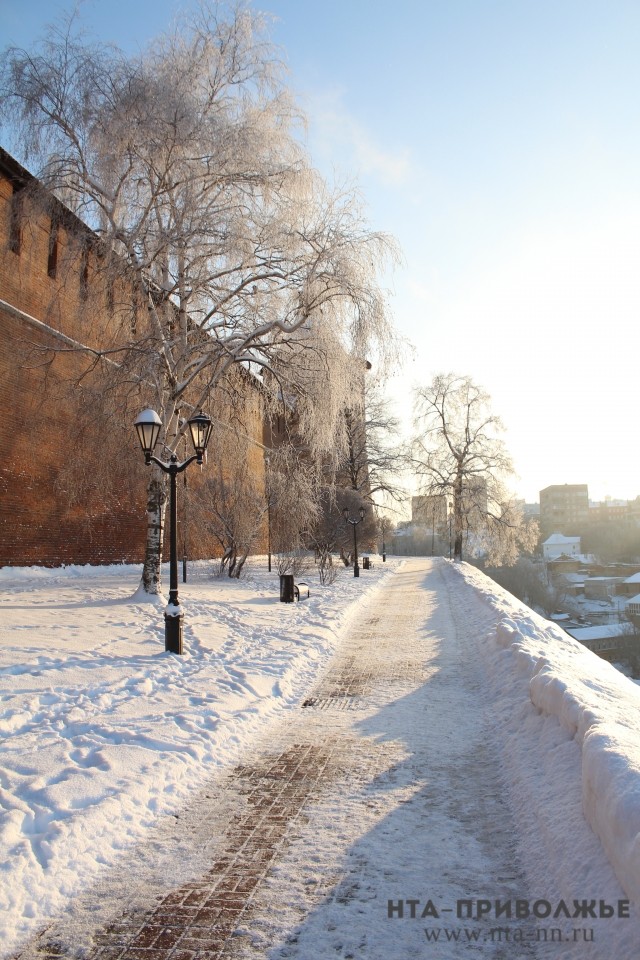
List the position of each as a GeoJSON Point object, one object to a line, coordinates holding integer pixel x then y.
{"type": "Point", "coordinates": [38, 524]}
{"type": "Point", "coordinates": [72, 488]}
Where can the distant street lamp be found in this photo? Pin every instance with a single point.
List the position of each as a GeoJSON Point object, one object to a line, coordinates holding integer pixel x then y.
{"type": "Point", "coordinates": [433, 526]}
{"type": "Point", "coordinates": [354, 524]}
{"type": "Point", "coordinates": [383, 525]}
{"type": "Point", "coordinates": [450, 507]}
{"type": "Point", "coordinates": [148, 426]}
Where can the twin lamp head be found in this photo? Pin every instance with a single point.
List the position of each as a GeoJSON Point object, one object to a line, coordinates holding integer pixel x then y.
{"type": "Point", "coordinates": [148, 425]}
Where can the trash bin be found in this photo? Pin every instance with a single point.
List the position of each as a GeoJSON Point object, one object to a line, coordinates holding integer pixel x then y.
{"type": "Point", "coordinates": [286, 588]}
{"type": "Point", "coordinates": [365, 563]}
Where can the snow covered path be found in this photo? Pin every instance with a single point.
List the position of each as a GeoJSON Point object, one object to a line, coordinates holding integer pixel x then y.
{"type": "Point", "coordinates": [390, 796]}
{"type": "Point", "coordinates": [414, 813]}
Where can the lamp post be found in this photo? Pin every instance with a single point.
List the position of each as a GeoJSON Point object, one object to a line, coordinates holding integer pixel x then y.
{"type": "Point", "coordinates": [148, 426]}
{"type": "Point", "coordinates": [184, 533]}
{"type": "Point", "coordinates": [354, 524]}
{"type": "Point", "coordinates": [268, 486]}
{"type": "Point", "coordinates": [450, 521]}
{"type": "Point", "coordinates": [383, 524]}
{"type": "Point", "coordinates": [433, 527]}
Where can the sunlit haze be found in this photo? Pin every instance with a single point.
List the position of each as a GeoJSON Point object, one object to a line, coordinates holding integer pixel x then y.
{"type": "Point", "coordinates": [499, 142]}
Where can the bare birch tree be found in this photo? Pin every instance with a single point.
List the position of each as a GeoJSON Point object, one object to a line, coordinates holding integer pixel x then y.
{"type": "Point", "coordinates": [458, 453]}
{"type": "Point", "coordinates": [375, 459]}
{"type": "Point", "coordinates": [186, 162]}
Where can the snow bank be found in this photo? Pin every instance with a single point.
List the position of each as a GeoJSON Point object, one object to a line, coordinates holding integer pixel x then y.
{"type": "Point", "coordinates": [595, 704]}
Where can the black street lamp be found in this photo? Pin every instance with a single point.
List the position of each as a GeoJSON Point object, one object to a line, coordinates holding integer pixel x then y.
{"type": "Point", "coordinates": [383, 524]}
{"type": "Point", "coordinates": [148, 426]}
{"type": "Point", "coordinates": [267, 463]}
{"type": "Point", "coordinates": [354, 524]}
{"type": "Point", "coordinates": [433, 526]}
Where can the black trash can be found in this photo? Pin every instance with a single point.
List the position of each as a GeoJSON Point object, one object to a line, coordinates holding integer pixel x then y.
{"type": "Point", "coordinates": [365, 563]}
{"type": "Point", "coordinates": [286, 588]}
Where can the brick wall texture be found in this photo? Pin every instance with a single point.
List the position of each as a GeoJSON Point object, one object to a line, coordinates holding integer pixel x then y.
{"type": "Point", "coordinates": [72, 486]}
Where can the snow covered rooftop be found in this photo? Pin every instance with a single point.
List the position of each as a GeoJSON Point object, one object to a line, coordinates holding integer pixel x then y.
{"type": "Point", "coordinates": [558, 538]}
{"type": "Point", "coordinates": [603, 580]}
{"type": "Point", "coordinates": [604, 632]}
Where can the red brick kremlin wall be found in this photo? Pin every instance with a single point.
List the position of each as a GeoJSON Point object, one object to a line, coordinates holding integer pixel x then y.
{"type": "Point", "coordinates": [64, 497]}
{"type": "Point", "coordinates": [39, 523]}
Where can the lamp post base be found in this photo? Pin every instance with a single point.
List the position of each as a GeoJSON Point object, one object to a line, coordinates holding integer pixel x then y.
{"type": "Point", "coordinates": [356, 570]}
{"type": "Point", "coordinates": [173, 634]}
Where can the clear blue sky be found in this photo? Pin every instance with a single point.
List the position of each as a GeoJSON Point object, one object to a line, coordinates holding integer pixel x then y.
{"type": "Point", "coordinates": [499, 141]}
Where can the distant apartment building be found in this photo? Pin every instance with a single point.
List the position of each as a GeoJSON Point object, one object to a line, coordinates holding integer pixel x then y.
{"type": "Point", "coordinates": [476, 497]}
{"type": "Point", "coordinates": [608, 510]}
{"type": "Point", "coordinates": [430, 510]}
{"type": "Point", "coordinates": [564, 508]}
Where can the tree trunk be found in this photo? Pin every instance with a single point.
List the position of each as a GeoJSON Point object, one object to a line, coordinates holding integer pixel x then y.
{"type": "Point", "coordinates": [156, 502]}
{"type": "Point", "coordinates": [457, 546]}
{"type": "Point", "coordinates": [239, 564]}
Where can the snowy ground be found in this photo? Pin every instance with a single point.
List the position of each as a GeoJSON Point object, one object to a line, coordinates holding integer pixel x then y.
{"type": "Point", "coordinates": [470, 781]}
{"type": "Point", "coordinates": [102, 732]}
{"type": "Point", "coordinates": [464, 792]}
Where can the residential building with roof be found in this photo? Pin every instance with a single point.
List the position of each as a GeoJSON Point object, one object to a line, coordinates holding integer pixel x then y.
{"type": "Point", "coordinates": [429, 510]}
{"type": "Point", "coordinates": [632, 607]}
{"type": "Point", "coordinates": [631, 586]}
{"type": "Point", "coordinates": [608, 640]}
{"type": "Point", "coordinates": [557, 546]}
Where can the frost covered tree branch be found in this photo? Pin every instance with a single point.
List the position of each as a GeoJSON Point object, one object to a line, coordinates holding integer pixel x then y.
{"type": "Point", "coordinates": [185, 161]}
{"type": "Point", "coordinates": [458, 454]}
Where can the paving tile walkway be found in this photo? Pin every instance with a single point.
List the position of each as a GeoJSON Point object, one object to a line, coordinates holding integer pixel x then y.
{"type": "Point", "coordinates": [286, 850]}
